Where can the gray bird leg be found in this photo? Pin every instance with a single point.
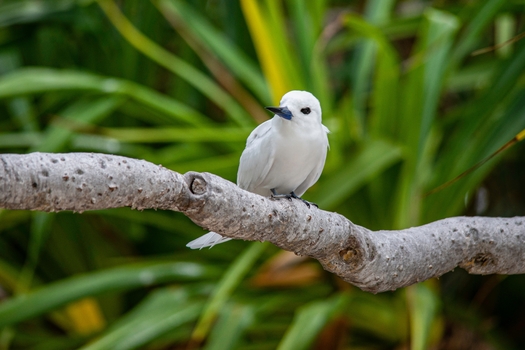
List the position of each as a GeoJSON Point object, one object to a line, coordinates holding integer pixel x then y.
{"type": "Point", "coordinates": [291, 195]}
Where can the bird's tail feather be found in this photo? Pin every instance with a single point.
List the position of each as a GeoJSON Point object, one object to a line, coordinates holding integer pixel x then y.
{"type": "Point", "coordinates": [208, 240]}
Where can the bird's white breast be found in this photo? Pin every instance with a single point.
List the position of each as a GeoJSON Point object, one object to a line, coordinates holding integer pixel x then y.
{"type": "Point", "coordinates": [292, 152]}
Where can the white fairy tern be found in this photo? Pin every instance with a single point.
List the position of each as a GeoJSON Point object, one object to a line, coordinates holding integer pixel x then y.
{"type": "Point", "coordinates": [284, 156]}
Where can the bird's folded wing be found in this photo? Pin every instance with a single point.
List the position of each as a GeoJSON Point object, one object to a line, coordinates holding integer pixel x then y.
{"type": "Point", "coordinates": [317, 170]}
{"type": "Point", "coordinates": [257, 159]}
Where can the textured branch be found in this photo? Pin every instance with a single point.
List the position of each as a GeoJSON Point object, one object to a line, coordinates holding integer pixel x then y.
{"type": "Point", "coordinates": [374, 261]}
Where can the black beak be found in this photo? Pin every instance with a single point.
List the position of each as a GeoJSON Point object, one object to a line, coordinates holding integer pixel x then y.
{"type": "Point", "coordinates": [282, 112]}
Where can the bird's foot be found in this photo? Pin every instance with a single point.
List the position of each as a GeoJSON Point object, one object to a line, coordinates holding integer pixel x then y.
{"type": "Point", "coordinates": [278, 196]}
{"type": "Point", "coordinates": [291, 195]}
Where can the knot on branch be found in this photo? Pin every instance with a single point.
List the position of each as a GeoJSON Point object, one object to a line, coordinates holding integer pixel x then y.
{"type": "Point", "coordinates": [352, 253]}
{"type": "Point", "coordinates": [198, 186]}
{"type": "Point", "coordinates": [473, 232]}
{"type": "Point", "coordinates": [479, 263]}
{"type": "Point", "coordinates": [205, 185]}
{"type": "Point", "coordinates": [200, 191]}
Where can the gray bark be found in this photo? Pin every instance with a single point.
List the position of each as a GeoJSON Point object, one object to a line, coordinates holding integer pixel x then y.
{"type": "Point", "coordinates": [374, 261]}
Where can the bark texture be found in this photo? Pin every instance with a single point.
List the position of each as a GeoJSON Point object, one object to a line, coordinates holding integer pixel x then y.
{"type": "Point", "coordinates": [375, 261]}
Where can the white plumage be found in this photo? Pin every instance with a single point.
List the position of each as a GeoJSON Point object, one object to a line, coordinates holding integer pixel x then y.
{"type": "Point", "coordinates": [284, 155]}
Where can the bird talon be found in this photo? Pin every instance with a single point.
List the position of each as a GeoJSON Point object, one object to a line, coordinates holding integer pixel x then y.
{"type": "Point", "coordinates": [293, 195]}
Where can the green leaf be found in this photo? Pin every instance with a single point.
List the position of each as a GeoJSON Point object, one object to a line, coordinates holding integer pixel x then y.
{"type": "Point", "coordinates": [423, 307]}
{"type": "Point", "coordinates": [376, 12]}
{"type": "Point", "coordinates": [490, 120]}
{"type": "Point", "coordinates": [231, 325]}
{"type": "Point", "coordinates": [20, 139]}
{"type": "Point", "coordinates": [83, 112]}
{"type": "Point", "coordinates": [383, 315]}
{"type": "Point", "coordinates": [384, 120]}
{"type": "Point", "coordinates": [504, 31]}
{"type": "Point", "coordinates": [162, 311]}
{"type": "Point", "coordinates": [424, 84]}
{"type": "Point", "coordinates": [22, 11]}
{"type": "Point", "coordinates": [178, 134]}
{"type": "Point", "coordinates": [40, 229]}
{"type": "Point", "coordinates": [307, 20]}
{"type": "Point", "coordinates": [131, 276]}
{"type": "Point", "coordinates": [27, 81]}
{"type": "Point", "coordinates": [309, 321]}
{"type": "Point", "coordinates": [477, 18]}
{"type": "Point", "coordinates": [362, 168]}
{"type": "Point", "coordinates": [266, 25]}
{"type": "Point", "coordinates": [229, 281]}
{"type": "Point", "coordinates": [175, 64]}
{"type": "Point", "coordinates": [235, 59]}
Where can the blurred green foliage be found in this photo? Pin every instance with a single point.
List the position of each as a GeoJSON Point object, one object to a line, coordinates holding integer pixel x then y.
{"type": "Point", "coordinates": [410, 105]}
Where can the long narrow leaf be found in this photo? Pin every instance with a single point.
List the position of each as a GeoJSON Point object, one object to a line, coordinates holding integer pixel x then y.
{"type": "Point", "coordinates": [162, 311]}
{"type": "Point", "coordinates": [28, 81]}
{"type": "Point", "coordinates": [423, 306]}
{"type": "Point", "coordinates": [178, 134]}
{"type": "Point", "coordinates": [309, 321]}
{"type": "Point", "coordinates": [376, 12]}
{"type": "Point", "coordinates": [424, 85]}
{"type": "Point", "coordinates": [385, 111]}
{"type": "Point", "coordinates": [175, 64]}
{"type": "Point", "coordinates": [84, 112]}
{"type": "Point", "coordinates": [272, 64]}
{"type": "Point", "coordinates": [234, 58]}
{"type": "Point", "coordinates": [231, 325]}
{"type": "Point", "coordinates": [231, 279]}
{"type": "Point", "coordinates": [477, 21]}
{"type": "Point", "coordinates": [54, 295]}
{"type": "Point", "coordinates": [363, 168]}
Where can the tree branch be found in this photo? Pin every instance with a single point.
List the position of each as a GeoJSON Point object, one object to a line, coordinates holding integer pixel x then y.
{"type": "Point", "coordinates": [373, 261]}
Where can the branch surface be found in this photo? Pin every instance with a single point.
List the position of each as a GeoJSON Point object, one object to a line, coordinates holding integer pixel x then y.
{"type": "Point", "coordinates": [374, 261]}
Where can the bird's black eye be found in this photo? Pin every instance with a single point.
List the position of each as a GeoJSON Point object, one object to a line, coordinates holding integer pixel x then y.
{"type": "Point", "coordinates": [305, 110]}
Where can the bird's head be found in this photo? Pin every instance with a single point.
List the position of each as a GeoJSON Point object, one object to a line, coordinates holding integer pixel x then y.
{"type": "Point", "coordinates": [298, 105]}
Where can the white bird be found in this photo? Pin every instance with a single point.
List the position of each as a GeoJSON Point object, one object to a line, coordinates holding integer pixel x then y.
{"type": "Point", "coordinates": [284, 156]}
